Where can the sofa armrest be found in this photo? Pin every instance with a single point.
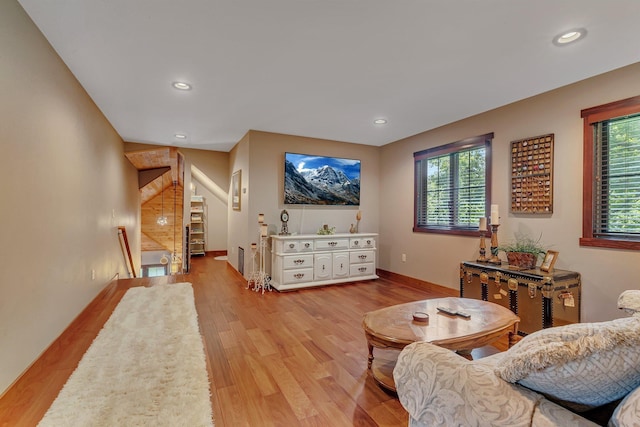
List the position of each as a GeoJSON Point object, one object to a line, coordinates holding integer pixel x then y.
{"type": "Point", "coordinates": [629, 301]}
{"type": "Point", "coordinates": [438, 387]}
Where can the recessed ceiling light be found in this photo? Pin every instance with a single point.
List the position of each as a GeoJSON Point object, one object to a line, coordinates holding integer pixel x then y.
{"type": "Point", "coordinates": [181, 85]}
{"type": "Point", "coordinates": [180, 136]}
{"type": "Point", "coordinates": [380, 121]}
{"type": "Point", "coordinates": [568, 37]}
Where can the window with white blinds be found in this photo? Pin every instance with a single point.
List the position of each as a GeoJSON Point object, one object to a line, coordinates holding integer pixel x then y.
{"type": "Point", "coordinates": [611, 181]}
{"type": "Point", "coordinates": [617, 184]}
{"type": "Point", "coordinates": [452, 186]}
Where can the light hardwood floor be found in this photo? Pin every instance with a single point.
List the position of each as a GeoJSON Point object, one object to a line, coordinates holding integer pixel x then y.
{"type": "Point", "coordinates": [278, 359]}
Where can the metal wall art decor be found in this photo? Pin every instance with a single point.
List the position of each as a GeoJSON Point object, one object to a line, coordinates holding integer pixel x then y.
{"type": "Point", "coordinates": [532, 175]}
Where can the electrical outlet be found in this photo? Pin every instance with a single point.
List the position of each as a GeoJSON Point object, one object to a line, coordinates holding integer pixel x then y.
{"type": "Point", "coordinates": [93, 274]}
{"type": "Point", "coordinates": [404, 257]}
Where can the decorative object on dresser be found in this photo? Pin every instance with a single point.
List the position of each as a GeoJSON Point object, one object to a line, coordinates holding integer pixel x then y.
{"type": "Point", "coordinates": [325, 230]}
{"type": "Point", "coordinates": [494, 245]}
{"type": "Point", "coordinates": [482, 228]}
{"type": "Point", "coordinates": [532, 175]}
{"type": "Point", "coordinates": [523, 252]}
{"type": "Point", "coordinates": [259, 280]}
{"type": "Point", "coordinates": [549, 261]}
{"type": "Point", "coordinates": [284, 218]}
{"type": "Point", "coordinates": [308, 260]}
{"type": "Point", "coordinates": [541, 299]}
{"type": "Point", "coordinates": [495, 223]}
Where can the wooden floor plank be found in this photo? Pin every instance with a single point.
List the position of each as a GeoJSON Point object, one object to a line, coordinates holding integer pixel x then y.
{"type": "Point", "coordinates": [261, 375]}
{"type": "Point", "coordinates": [291, 389]}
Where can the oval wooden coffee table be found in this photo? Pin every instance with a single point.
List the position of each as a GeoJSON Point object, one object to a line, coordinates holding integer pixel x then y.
{"type": "Point", "coordinates": [394, 328]}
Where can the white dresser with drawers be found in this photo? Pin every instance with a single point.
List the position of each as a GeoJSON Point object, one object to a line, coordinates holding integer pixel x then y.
{"type": "Point", "coordinates": [306, 260]}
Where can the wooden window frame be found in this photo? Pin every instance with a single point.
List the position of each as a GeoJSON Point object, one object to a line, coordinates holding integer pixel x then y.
{"type": "Point", "coordinates": [454, 147]}
{"type": "Point", "coordinates": [590, 116]}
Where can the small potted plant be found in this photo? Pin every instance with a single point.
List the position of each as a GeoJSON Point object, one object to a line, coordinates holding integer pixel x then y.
{"type": "Point", "coordinates": [326, 230]}
{"type": "Point", "coordinates": [523, 251]}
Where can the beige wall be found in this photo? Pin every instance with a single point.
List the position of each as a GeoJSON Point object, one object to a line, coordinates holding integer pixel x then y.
{"type": "Point", "coordinates": [214, 164]}
{"type": "Point", "coordinates": [239, 235]}
{"type": "Point", "coordinates": [260, 155]}
{"type": "Point", "coordinates": [66, 185]}
{"type": "Point", "coordinates": [435, 258]}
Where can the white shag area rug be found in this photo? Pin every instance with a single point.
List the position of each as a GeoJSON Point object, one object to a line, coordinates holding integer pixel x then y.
{"type": "Point", "coordinates": [146, 367]}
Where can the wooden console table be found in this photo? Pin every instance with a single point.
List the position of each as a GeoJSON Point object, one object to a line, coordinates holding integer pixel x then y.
{"type": "Point", "coordinates": [541, 299]}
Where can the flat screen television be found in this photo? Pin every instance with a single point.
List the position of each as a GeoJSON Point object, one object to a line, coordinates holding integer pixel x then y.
{"type": "Point", "coordinates": [319, 180]}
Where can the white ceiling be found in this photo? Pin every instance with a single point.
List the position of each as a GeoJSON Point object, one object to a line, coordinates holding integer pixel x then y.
{"type": "Point", "coordinates": [324, 68]}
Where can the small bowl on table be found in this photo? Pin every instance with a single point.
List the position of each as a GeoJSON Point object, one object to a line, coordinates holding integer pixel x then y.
{"type": "Point", "coordinates": [421, 317]}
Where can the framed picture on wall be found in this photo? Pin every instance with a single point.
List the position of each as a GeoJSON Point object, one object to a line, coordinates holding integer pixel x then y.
{"type": "Point", "coordinates": [236, 182]}
{"type": "Point", "coordinates": [321, 180]}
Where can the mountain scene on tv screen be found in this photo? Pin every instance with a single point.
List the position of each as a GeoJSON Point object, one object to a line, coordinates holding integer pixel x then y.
{"type": "Point", "coordinates": [322, 185]}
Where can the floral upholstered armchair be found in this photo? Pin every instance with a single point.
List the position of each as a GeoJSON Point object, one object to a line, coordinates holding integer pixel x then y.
{"type": "Point", "coordinates": [550, 378]}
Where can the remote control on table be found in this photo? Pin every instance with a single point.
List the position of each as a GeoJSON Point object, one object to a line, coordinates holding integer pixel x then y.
{"type": "Point", "coordinates": [453, 312]}
{"type": "Point", "coordinates": [448, 310]}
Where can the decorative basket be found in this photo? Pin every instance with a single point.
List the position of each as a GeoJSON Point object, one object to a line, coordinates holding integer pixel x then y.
{"type": "Point", "coordinates": [524, 260]}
